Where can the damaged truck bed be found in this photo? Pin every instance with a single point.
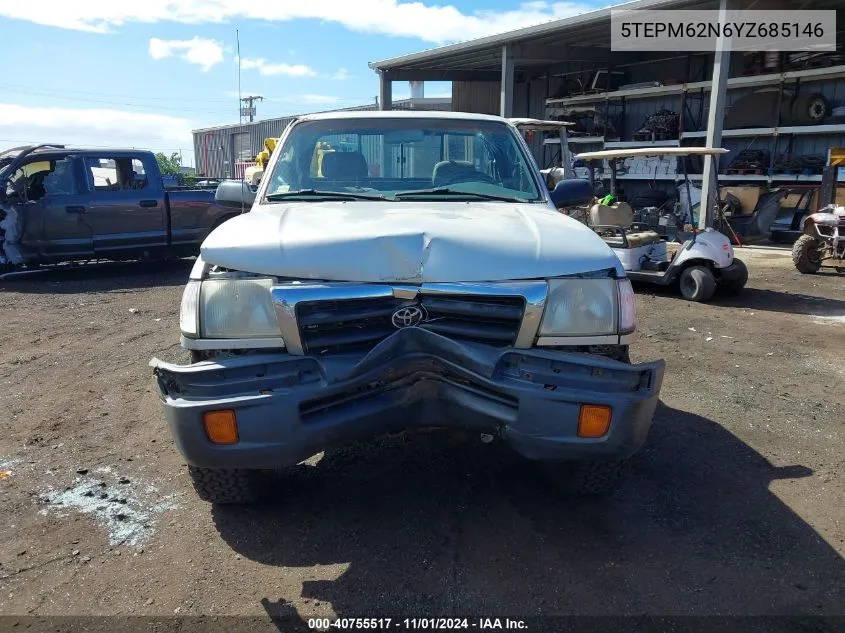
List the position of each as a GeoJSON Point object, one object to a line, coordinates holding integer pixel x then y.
{"type": "Point", "coordinates": [59, 205]}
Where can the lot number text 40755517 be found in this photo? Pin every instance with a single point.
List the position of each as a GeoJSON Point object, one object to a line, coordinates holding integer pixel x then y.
{"type": "Point", "coordinates": [417, 624]}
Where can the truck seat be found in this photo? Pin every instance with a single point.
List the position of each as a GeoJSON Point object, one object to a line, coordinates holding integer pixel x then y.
{"type": "Point", "coordinates": [448, 172]}
{"type": "Point", "coordinates": [615, 239]}
{"type": "Point", "coordinates": [345, 166]}
{"type": "Point", "coordinates": [642, 238]}
{"type": "Point", "coordinates": [620, 214]}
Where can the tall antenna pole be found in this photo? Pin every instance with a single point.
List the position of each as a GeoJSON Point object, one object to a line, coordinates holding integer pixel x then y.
{"type": "Point", "coordinates": [240, 101]}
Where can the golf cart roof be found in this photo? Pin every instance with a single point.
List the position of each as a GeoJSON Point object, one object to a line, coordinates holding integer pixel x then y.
{"type": "Point", "coordinates": [651, 151]}
{"type": "Point", "coordinates": [539, 124]}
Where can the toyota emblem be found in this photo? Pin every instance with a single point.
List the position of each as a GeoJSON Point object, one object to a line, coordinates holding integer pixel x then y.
{"type": "Point", "coordinates": [409, 316]}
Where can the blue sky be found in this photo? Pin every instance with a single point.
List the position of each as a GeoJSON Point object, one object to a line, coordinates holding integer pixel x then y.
{"type": "Point", "coordinates": [146, 73]}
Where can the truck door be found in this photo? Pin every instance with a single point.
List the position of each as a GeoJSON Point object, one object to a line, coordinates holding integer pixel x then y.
{"type": "Point", "coordinates": [126, 210]}
{"type": "Point", "coordinates": [50, 221]}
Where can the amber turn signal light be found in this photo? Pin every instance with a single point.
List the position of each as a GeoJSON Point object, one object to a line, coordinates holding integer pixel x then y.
{"type": "Point", "coordinates": [594, 420]}
{"type": "Point", "coordinates": [221, 427]}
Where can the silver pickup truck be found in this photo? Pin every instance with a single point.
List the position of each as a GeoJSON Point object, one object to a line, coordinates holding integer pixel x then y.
{"type": "Point", "coordinates": [400, 270]}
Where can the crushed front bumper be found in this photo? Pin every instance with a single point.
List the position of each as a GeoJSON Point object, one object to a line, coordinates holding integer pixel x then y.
{"type": "Point", "coordinates": [291, 407]}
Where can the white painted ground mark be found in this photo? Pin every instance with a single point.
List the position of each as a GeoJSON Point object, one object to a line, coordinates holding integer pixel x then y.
{"type": "Point", "coordinates": [127, 509]}
{"type": "Point", "coordinates": [8, 464]}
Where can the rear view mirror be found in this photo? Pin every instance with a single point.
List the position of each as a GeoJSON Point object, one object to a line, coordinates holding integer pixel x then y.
{"type": "Point", "coordinates": [573, 192]}
{"type": "Point", "coordinates": [234, 193]}
{"type": "Point", "coordinates": [398, 137]}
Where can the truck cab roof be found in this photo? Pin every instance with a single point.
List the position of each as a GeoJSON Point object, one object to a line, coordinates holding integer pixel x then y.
{"type": "Point", "coordinates": [401, 114]}
{"type": "Point", "coordinates": [55, 148]}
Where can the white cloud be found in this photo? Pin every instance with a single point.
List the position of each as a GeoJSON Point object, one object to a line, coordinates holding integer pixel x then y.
{"type": "Point", "coordinates": [341, 75]}
{"type": "Point", "coordinates": [94, 126]}
{"type": "Point", "coordinates": [429, 22]}
{"type": "Point", "coordinates": [267, 68]}
{"type": "Point", "coordinates": [200, 51]}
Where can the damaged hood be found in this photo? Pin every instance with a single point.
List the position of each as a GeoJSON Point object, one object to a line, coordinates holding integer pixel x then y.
{"type": "Point", "coordinates": [416, 242]}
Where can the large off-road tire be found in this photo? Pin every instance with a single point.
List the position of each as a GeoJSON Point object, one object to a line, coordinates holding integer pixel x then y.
{"type": "Point", "coordinates": [734, 286]}
{"type": "Point", "coordinates": [588, 477]}
{"type": "Point", "coordinates": [225, 485]}
{"type": "Point", "coordinates": [697, 284]}
{"type": "Point", "coordinates": [806, 255]}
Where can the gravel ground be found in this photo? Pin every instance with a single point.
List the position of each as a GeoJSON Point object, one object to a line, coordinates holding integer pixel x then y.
{"type": "Point", "coordinates": [735, 506]}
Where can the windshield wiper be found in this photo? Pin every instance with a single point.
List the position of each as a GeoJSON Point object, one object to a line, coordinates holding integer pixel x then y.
{"type": "Point", "coordinates": [318, 193]}
{"type": "Point", "coordinates": [446, 191]}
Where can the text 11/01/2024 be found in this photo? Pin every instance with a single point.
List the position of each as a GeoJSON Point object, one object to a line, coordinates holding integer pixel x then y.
{"type": "Point", "coordinates": [417, 624]}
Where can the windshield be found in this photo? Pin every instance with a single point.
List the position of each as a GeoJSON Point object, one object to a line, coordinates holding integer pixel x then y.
{"type": "Point", "coordinates": [402, 159]}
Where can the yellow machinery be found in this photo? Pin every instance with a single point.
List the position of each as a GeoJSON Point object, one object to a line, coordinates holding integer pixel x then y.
{"type": "Point", "coordinates": [320, 151]}
{"type": "Point", "coordinates": [253, 174]}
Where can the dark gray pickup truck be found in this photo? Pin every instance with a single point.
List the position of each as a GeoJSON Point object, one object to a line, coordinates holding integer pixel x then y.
{"type": "Point", "coordinates": [61, 204]}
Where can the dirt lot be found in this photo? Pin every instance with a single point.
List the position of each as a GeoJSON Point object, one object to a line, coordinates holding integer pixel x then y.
{"type": "Point", "coordinates": [735, 507]}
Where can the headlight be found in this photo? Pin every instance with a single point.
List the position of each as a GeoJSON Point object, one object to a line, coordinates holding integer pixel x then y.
{"type": "Point", "coordinates": [581, 307]}
{"type": "Point", "coordinates": [237, 308]}
{"type": "Point", "coordinates": [188, 312]}
{"type": "Point", "coordinates": [627, 307]}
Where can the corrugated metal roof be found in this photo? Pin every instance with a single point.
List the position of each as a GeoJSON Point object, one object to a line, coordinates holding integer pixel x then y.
{"type": "Point", "coordinates": [473, 48]}
{"type": "Point", "coordinates": [591, 29]}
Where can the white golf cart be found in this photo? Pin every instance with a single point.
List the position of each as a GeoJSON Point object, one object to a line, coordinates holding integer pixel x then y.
{"type": "Point", "coordinates": [553, 173]}
{"type": "Point", "coordinates": [703, 262]}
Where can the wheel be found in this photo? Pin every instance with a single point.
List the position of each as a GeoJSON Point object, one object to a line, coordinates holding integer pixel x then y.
{"type": "Point", "coordinates": [733, 286]}
{"type": "Point", "coordinates": [588, 477]}
{"type": "Point", "coordinates": [225, 485]}
{"type": "Point", "coordinates": [806, 255]}
{"type": "Point", "coordinates": [697, 284]}
{"type": "Point", "coordinates": [818, 108]}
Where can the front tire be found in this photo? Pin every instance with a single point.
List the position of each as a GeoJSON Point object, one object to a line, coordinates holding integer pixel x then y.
{"type": "Point", "coordinates": [734, 286]}
{"type": "Point", "coordinates": [697, 284]}
{"type": "Point", "coordinates": [225, 485]}
{"type": "Point", "coordinates": [806, 255]}
{"type": "Point", "coordinates": [589, 477]}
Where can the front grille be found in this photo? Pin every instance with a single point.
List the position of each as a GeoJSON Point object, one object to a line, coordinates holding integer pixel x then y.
{"type": "Point", "coordinates": [359, 324]}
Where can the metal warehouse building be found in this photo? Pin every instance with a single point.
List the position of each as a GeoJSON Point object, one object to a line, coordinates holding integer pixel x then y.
{"type": "Point", "coordinates": [226, 151]}
{"type": "Point", "coordinates": [566, 70]}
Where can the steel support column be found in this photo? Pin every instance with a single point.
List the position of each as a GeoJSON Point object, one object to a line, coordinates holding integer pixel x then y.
{"type": "Point", "coordinates": [715, 119]}
{"type": "Point", "coordinates": [385, 91]}
{"type": "Point", "coordinates": [506, 103]}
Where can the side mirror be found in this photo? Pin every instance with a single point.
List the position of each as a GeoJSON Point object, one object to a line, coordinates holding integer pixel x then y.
{"type": "Point", "coordinates": [572, 193]}
{"type": "Point", "coordinates": [234, 193]}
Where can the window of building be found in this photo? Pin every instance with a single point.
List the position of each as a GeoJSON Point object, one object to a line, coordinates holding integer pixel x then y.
{"type": "Point", "coordinates": [242, 148]}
